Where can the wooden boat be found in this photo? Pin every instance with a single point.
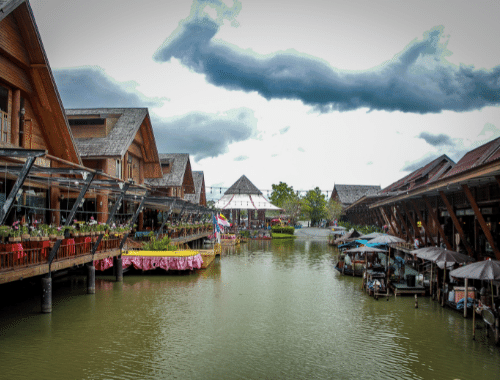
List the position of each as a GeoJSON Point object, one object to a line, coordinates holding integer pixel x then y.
{"type": "Point", "coordinates": [349, 267]}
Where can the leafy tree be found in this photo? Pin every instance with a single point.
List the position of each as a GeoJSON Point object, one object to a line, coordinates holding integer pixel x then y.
{"type": "Point", "coordinates": [281, 193]}
{"type": "Point", "coordinates": [333, 209]}
{"type": "Point", "coordinates": [315, 205]}
{"type": "Point", "coordinates": [293, 208]}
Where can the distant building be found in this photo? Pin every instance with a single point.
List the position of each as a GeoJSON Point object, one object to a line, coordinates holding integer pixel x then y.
{"type": "Point", "coordinates": [177, 178]}
{"type": "Point", "coordinates": [348, 194]}
{"type": "Point", "coordinates": [199, 197]}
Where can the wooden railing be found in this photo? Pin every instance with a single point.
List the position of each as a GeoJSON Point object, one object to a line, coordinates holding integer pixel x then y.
{"type": "Point", "coordinates": [31, 253]}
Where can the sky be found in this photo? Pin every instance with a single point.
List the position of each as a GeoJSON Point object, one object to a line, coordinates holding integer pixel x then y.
{"type": "Point", "coordinates": [312, 93]}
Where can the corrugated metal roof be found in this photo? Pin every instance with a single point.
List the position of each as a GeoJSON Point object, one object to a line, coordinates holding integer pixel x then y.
{"type": "Point", "coordinates": [484, 154]}
{"type": "Point", "coordinates": [428, 173]}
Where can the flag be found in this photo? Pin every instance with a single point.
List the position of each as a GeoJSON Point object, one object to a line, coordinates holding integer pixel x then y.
{"type": "Point", "coordinates": [222, 221]}
{"type": "Point", "coordinates": [216, 224]}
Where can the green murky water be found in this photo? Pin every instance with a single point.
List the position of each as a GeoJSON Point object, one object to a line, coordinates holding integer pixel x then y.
{"type": "Point", "coordinates": [265, 311]}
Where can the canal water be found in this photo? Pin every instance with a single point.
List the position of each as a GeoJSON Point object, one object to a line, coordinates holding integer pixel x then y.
{"type": "Point", "coordinates": [266, 310]}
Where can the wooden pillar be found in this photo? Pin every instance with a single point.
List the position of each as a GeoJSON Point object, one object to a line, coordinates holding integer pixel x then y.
{"type": "Point", "coordinates": [481, 221]}
{"type": "Point", "coordinates": [403, 223]}
{"type": "Point", "coordinates": [16, 109]}
{"type": "Point", "coordinates": [102, 208]}
{"type": "Point", "coordinates": [434, 217]}
{"type": "Point", "coordinates": [456, 223]}
{"type": "Point", "coordinates": [414, 225]}
{"type": "Point", "coordinates": [55, 204]}
{"type": "Point", "coordinates": [140, 221]}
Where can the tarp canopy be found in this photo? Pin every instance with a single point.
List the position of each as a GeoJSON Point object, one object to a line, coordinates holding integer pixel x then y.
{"type": "Point", "coordinates": [244, 202]}
{"type": "Point", "coordinates": [364, 249]}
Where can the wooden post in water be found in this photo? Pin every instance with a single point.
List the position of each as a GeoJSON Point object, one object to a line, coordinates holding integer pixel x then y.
{"type": "Point", "coordinates": [443, 293]}
{"type": "Point", "coordinates": [474, 321]}
{"type": "Point", "coordinates": [466, 296]}
{"type": "Point", "coordinates": [430, 284]}
{"type": "Point", "coordinates": [497, 328]}
{"type": "Point", "coordinates": [416, 302]}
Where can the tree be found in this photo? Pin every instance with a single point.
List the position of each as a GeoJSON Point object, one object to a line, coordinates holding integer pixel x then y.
{"type": "Point", "coordinates": [333, 209]}
{"type": "Point", "coordinates": [281, 193]}
{"type": "Point", "coordinates": [315, 205]}
{"type": "Point", "coordinates": [293, 208]}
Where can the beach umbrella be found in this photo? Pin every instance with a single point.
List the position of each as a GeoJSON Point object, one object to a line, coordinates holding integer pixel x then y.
{"type": "Point", "coordinates": [373, 235]}
{"type": "Point", "coordinates": [365, 249]}
{"type": "Point", "coordinates": [425, 253]}
{"type": "Point", "coordinates": [387, 239]}
{"type": "Point", "coordinates": [482, 270]}
{"type": "Point", "coordinates": [441, 255]}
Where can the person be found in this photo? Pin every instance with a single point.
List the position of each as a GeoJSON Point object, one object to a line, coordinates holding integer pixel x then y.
{"type": "Point", "coordinates": [416, 243]}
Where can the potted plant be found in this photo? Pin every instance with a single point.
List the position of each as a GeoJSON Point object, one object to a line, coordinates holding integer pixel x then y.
{"type": "Point", "coordinates": [5, 232]}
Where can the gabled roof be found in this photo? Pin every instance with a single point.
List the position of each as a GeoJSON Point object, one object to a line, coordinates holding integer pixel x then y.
{"type": "Point", "coordinates": [119, 138]}
{"type": "Point", "coordinates": [351, 193]}
{"type": "Point", "coordinates": [198, 182]}
{"type": "Point", "coordinates": [40, 85]}
{"type": "Point", "coordinates": [428, 173]}
{"type": "Point", "coordinates": [484, 154]}
{"type": "Point", "coordinates": [243, 186]}
{"type": "Point", "coordinates": [179, 166]}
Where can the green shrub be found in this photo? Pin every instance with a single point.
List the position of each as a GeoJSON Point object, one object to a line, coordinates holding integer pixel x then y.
{"type": "Point", "coordinates": [282, 230]}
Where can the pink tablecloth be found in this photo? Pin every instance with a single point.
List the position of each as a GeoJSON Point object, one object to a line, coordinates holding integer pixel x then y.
{"type": "Point", "coordinates": [103, 264]}
{"type": "Point", "coordinates": [151, 263]}
{"type": "Point", "coordinates": [165, 263]}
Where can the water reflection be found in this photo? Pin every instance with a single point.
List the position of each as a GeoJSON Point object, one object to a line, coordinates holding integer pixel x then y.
{"type": "Point", "coordinates": [266, 309]}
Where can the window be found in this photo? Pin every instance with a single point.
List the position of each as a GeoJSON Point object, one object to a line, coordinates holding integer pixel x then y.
{"type": "Point", "coordinates": [93, 121]}
{"type": "Point", "coordinates": [129, 168]}
{"type": "Point", "coordinates": [4, 116]}
{"type": "Point", "coordinates": [118, 173]}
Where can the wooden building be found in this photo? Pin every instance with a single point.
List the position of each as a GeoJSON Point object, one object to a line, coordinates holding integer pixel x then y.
{"type": "Point", "coordinates": [358, 211]}
{"type": "Point", "coordinates": [121, 143]}
{"type": "Point", "coordinates": [456, 208]}
{"type": "Point", "coordinates": [199, 197]}
{"type": "Point", "coordinates": [177, 178]}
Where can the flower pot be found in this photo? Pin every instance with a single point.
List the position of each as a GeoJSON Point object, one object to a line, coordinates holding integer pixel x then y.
{"type": "Point", "coordinates": [59, 237]}
{"type": "Point", "coordinates": [14, 239]}
{"type": "Point", "coordinates": [25, 236]}
{"type": "Point", "coordinates": [44, 238]}
{"type": "Point", "coordinates": [52, 236]}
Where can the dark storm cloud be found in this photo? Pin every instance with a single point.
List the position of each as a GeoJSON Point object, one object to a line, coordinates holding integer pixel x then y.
{"type": "Point", "coordinates": [204, 135]}
{"type": "Point", "coordinates": [436, 140]}
{"type": "Point", "coordinates": [418, 80]}
{"type": "Point", "coordinates": [90, 87]}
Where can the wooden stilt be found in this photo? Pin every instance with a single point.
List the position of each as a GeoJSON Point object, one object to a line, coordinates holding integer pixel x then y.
{"type": "Point", "coordinates": [474, 321]}
{"type": "Point", "coordinates": [466, 296]}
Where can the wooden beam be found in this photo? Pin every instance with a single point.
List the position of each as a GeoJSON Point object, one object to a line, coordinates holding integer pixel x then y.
{"type": "Point", "coordinates": [396, 223]}
{"type": "Point", "coordinates": [403, 223]}
{"type": "Point", "coordinates": [456, 223]}
{"type": "Point", "coordinates": [388, 221]}
{"type": "Point", "coordinates": [481, 220]}
{"type": "Point", "coordinates": [414, 225]}
{"type": "Point", "coordinates": [434, 217]}
{"type": "Point", "coordinates": [420, 217]}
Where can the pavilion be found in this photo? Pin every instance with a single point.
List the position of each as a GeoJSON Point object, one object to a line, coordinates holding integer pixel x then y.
{"type": "Point", "coordinates": [244, 195]}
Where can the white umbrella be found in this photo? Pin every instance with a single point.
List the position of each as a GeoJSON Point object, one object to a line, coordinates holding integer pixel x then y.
{"type": "Point", "coordinates": [387, 239]}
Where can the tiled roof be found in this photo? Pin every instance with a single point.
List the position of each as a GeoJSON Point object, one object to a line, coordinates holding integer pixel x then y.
{"type": "Point", "coordinates": [178, 163]}
{"type": "Point", "coordinates": [484, 154]}
{"type": "Point", "coordinates": [351, 193]}
{"type": "Point", "coordinates": [198, 181]}
{"type": "Point", "coordinates": [119, 138]}
{"type": "Point", "coordinates": [243, 186]}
